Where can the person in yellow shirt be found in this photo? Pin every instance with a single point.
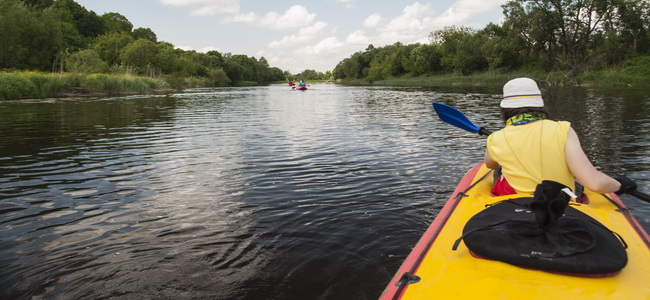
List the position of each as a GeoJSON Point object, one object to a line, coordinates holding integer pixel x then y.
{"type": "Point", "coordinates": [532, 148]}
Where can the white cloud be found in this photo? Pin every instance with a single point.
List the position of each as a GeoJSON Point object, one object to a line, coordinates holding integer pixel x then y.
{"type": "Point", "coordinates": [250, 17]}
{"type": "Point", "coordinates": [295, 16]}
{"type": "Point", "coordinates": [328, 45]}
{"type": "Point", "coordinates": [322, 50]}
{"type": "Point", "coordinates": [358, 37]}
{"type": "Point", "coordinates": [185, 48]}
{"type": "Point", "coordinates": [410, 21]}
{"type": "Point", "coordinates": [348, 3]}
{"type": "Point", "coordinates": [202, 50]}
{"type": "Point", "coordinates": [193, 2]}
{"type": "Point", "coordinates": [304, 35]}
{"type": "Point", "coordinates": [212, 10]}
{"type": "Point", "coordinates": [315, 45]}
{"type": "Point", "coordinates": [372, 21]}
{"type": "Point", "coordinates": [322, 56]}
{"type": "Point", "coordinates": [417, 20]}
{"type": "Point", "coordinates": [464, 11]}
{"type": "Point", "coordinates": [207, 7]}
{"type": "Point", "coordinates": [208, 49]}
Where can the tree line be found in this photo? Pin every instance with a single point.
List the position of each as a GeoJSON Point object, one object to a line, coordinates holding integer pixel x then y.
{"type": "Point", "coordinates": [571, 36]}
{"type": "Point", "coordinates": [63, 36]}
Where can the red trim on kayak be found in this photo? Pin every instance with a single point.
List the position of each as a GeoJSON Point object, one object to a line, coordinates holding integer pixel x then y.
{"type": "Point", "coordinates": [413, 261]}
{"type": "Point", "coordinates": [630, 217]}
{"type": "Point", "coordinates": [395, 290]}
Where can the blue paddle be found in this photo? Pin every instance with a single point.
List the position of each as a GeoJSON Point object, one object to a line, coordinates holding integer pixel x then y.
{"type": "Point", "coordinates": [453, 116]}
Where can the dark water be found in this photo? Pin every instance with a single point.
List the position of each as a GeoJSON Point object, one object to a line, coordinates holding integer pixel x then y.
{"type": "Point", "coordinates": [253, 193]}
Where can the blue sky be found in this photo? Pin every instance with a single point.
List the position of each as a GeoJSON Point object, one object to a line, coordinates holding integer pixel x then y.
{"type": "Point", "coordinates": [293, 35]}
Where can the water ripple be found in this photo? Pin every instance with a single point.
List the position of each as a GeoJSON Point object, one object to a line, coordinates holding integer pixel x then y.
{"type": "Point", "coordinates": [245, 193]}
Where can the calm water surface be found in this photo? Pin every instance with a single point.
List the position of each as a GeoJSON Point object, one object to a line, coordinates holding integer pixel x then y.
{"type": "Point", "coordinates": [254, 193]}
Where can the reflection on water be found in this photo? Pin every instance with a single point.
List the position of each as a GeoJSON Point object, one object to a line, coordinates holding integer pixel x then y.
{"type": "Point", "coordinates": [252, 193]}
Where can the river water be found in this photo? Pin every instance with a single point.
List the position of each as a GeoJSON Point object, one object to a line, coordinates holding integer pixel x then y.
{"type": "Point", "coordinates": [254, 193]}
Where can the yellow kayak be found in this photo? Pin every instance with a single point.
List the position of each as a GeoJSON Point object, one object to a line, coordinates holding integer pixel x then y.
{"type": "Point", "coordinates": [433, 270]}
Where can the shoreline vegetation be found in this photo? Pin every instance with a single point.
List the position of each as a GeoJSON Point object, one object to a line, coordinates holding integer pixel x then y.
{"type": "Point", "coordinates": [37, 85]}
{"type": "Point", "coordinates": [16, 85]}
{"type": "Point", "coordinates": [621, 78]}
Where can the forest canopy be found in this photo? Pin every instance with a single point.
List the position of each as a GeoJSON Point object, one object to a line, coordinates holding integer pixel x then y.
{"type": "Point", "coordinates": [63, 36]}
{"type": "Point", "coordinates": [571, 36]}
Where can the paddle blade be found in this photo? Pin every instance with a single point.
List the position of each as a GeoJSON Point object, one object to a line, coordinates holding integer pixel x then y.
{"type": "Point", "coordinates": [453, 116]}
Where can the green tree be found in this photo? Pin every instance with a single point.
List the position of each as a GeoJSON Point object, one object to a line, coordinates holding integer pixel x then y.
{"type": "Point", "coordinates": [79, 25]}
{"type": "Point", "coordinates": [458, 48]}
{"type": "Point", "coordinates": [277, 74]}
{"type": "Point", "coordinates": [422, 59]}
{"type": "Point", "coordinates": [571, 34]}
{"type": "Point", "coordinates": [29, 38]}
{"type": "Point", "coordinates": [357, 66]}
{"type": "Point", "coordinates": [140, 57]}
{"type": "Point", "coordinates": [218, 77]}
{"type": "Point", "coordinates": [167, 60]}
{"type": "Point", "coordinates": [86, 61]}
{"type": "Point", "coordinates": [309, 75]}
{"type": "Point", "coordinates": [115, 22]}
{"type": "Point", "coordinates": [39, 4]}
{"type": "Point", "coordinates": [110, 46]}
{"type": "Point", "coordinates": [500, 50]}
{"type": "Point", "coordinates": [215, 59]}
{"type": "Point", "coordinates": [233, 69]}
{"type": "Point", "coordinates": [144, 33]}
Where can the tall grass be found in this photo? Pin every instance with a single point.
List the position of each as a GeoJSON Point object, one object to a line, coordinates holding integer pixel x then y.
{"type": "Point", "coordinates": [484, 79]}
{"type": "Point", "coordinates": [633, 72]}
{"type": "Point", "coordinates": [111, 84]}
{"type": "Point", "coordinates": [15, 86]}
{"type": "Point", "coordinates": [35, 85]}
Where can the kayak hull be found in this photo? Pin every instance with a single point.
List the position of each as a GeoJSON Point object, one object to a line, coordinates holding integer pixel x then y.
{"type": "Point", "coordinates": [447, 274]}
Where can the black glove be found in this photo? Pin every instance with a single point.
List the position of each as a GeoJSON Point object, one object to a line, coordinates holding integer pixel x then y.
{"type": "Point", "coordinates": [627, 185]}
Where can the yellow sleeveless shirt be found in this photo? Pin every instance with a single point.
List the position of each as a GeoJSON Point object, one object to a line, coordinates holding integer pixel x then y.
{"type": "Point", "coordinates": [532, 152]}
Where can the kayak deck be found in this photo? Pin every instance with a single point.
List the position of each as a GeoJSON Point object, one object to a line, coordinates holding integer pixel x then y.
{"type": "Point", "coordinates": [448, 274]}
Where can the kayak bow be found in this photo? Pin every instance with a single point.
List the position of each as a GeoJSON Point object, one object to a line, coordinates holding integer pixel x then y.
{"type": "Point", "coordinates": [434, 271]}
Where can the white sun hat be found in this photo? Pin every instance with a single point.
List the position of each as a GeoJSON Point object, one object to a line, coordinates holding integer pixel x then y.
{"type": "Point", "coordinates": [521, 92]}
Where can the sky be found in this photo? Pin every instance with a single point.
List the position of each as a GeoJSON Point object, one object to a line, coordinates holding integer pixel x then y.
{"type": "Point", "coordinates": [296, 36]}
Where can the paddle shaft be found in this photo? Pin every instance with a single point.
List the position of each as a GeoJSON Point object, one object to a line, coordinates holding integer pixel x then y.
{"type": "Point", "coordinates": [483, 131]}
{"type": "Point", "coordinates": [640, 195]}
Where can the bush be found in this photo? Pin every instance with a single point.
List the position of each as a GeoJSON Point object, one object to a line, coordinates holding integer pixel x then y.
{"type": "Point", "coordinates": [15, 86]}
{"type": "Point", "coordinates": [175, 81]}
{"type": "Point", "coordinates": [49, 85]}
{"type": "Point", "coordinates": [110, 84]}
{"type": "Point", "coordinates": [23, 85]}
{"type": "Point", "coordinates": [219, 77]}
{"type": "Point", "coordinates": [86, 61]}
{"type": "Point", "coordinates": [639, 66]}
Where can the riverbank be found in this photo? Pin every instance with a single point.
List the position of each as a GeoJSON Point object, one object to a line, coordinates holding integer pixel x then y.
{"type": "Point", "coordinates": [37, 85]}
{"type": "Point", "coordinates": [632, 73]}
{"type": "Point", "coordinates": [16, 85]}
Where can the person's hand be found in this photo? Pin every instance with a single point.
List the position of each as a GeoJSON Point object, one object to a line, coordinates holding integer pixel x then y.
{"type": "Point", "coordinates": [627, 185]}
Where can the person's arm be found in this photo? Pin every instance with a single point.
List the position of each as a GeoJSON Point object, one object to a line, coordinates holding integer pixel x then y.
{"type": "Point", "coordinates": [584, 170]}
{"type": "Point", "coordinates": [489, 162]}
